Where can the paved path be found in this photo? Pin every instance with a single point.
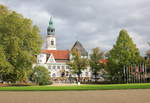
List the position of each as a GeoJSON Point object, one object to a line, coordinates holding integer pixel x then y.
{"type": "Point", "coordinates": [102, 96]}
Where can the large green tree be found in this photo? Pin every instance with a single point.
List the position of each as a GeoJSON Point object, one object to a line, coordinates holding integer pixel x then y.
{"type": "Point", "coordinates": [95, 58]}
{"type": "Point", "coordinates": [5, 67]}
{"type": "Point", "coordinates": [124, 52]}
{"type": "Point", "coordinates": [77, 63]}
{"type": "Point", "coordinates": [20, 42]}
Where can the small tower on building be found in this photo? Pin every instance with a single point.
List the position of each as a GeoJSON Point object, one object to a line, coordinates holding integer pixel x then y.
{"type": "Point", "coordinates": [51, 39]}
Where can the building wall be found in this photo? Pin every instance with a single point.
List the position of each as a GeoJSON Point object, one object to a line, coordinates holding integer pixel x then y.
{"type": "Point", "coordinates": [49, 45]}
{"type": "Point", "coordinates": [57, 68]}
{"type": "Point", "coordinates": [41, 58]}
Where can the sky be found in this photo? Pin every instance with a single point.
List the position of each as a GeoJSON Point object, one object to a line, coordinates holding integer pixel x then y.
{"type": "Point", "coordinates": [95, 23]}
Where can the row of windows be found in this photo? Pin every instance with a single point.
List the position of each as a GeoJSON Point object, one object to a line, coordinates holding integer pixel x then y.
{"type": "Point", "coordinates": [51, 30]}
{"type": "Point", "coordinates": [58, 67]}
{"type": "Point", "coordinates": [39, 61]}
{"type": "Point", "coordinates": [41, 56]}
{"type": "Point", "coordinates": [63, 74]}
{"type": "Point", "coordinates": [67, 74]}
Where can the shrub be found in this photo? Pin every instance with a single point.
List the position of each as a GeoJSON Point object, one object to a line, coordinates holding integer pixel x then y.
{"type": "Point", "coordinates": [40, 76]}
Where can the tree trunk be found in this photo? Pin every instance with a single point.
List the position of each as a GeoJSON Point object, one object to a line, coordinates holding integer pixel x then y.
{"type": "Point", "coordinates": [78, 80]}
{"type": "Point", "coordinates": [95, 77]}
{"type": "Point", "coordinates": [78, 74]}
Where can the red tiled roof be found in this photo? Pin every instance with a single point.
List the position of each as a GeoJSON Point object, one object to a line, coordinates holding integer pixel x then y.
{"type": "Point", "coordinates": [103, 61]}
{"type": "Point", "coordinates": [58, 54]}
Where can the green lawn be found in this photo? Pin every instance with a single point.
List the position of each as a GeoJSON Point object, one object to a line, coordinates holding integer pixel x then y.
{"type": "Point", "coordinates": [78, 88]}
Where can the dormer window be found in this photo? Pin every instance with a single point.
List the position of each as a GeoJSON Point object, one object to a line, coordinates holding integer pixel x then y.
{"type": "Point", "coordinates": [52, 30]}
{"type": "Point", "coordinates": [48, 30]}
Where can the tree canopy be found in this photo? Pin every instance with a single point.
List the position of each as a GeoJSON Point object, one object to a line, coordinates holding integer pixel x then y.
{"type": "Point", "coordinates": [20, 42]}
{"type": "Point", "coordinates": [77, 63]}
{"type": "Point", "coordinates": [148, 59]}
{"type": "Point", "coordinates": [40, 75]}
{"type": "Point", "coordinates": [148, 53]}
{"type": "Point", "coordinates": [95, 58]}
{"type": "Point", "coordinates": [124, 52]}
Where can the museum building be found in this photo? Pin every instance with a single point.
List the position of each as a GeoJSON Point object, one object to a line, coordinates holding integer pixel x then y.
{"type": "Point", "coordinates": [56, 60]}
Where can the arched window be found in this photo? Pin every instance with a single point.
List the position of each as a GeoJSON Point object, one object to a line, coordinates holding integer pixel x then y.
{"type": "Point", "coordinates": [52, 30]}
{"type": "Point", "coordinates": [52, 42]}
{"type": "Point", "coordinates": [54, 67]}
{"type": "Point", "coordinates": [63, 67]}
{"type": "Point", "coordinates": [49, 67]}
{"type": "Point", "coordinates": [53, 75]}
{"type": "Point", "coordinates": [58, 67]}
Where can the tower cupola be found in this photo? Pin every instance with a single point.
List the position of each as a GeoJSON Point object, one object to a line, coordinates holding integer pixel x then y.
{"type": "Point", "coordinates": [51, 39]}
{"type": "Point", "coordinates": [50, 28]}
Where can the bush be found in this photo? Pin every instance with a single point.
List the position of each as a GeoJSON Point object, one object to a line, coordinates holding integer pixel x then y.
{"type": "Point", "coordinates": [99, 82]}
{"type": "Point", "coordinates": [40, 76]}
{"type": "Point", "coordinates": [16, 84]}
{"type": "Point", "coordinates": [21, 84]}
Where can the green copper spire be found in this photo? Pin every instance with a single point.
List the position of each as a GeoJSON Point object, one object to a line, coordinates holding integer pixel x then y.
{"type": "Point", "coordinates": [51, 21]}
{"type": "Point", "coordinates": [51, 29]}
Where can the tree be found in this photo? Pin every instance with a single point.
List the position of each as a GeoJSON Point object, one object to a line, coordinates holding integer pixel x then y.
{"type": "Point", "coordinates": [5, 67]}
{"type": "Point", "coordinates": [95, 58]}
{"type": "Point", "coordinates": [20, 42]}
{"type": "Point", "coordinates": [148, 53]}
{"type": "Point", "coordinates": [40, 75]}
{"type": "Point", "coordinates": [148, 59]}
{"type": "Point", "coordinates": [124, 52]}
{"type": "Point", "coordinates": [149, 43]}
{"type": "Point", "coordinates": [77, 63]}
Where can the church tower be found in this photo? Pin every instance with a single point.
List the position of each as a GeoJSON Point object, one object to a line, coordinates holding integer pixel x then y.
{"type": "Point", "coordinates": [51, 39]}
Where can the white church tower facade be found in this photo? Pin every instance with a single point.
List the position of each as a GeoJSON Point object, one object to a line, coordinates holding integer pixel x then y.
{"type": "Point", "coordinates": [56, 61]}
{"type": "Point", "coordinates": [51, 39]}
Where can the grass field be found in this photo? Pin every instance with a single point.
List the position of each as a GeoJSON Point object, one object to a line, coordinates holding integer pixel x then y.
{"type": "Point", "coordinates": [77, 88]}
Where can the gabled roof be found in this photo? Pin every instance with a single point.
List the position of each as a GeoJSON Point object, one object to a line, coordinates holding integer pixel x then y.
{"type": "Point", "coordinates": [78, 46]}
{"type": "Point", "coordinates": [58, 54]}
{"type": "Point", "coordinates": [51, 59]}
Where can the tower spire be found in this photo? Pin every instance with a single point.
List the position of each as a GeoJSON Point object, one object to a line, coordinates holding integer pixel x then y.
{"type": "Point", "coordinates": [51, 39]}
{"type": "Point", "coordinates": [50, 28]}
{"type": "Point", "coordinates": [51, 21]}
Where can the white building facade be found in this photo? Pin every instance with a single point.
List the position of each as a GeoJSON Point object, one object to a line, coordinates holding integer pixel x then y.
{"type": "Point", "coordinates": [56, 60]}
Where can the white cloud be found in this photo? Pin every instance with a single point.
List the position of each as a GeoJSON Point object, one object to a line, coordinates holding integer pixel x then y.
{"type": "Point", "coordinates": [94, 23]}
